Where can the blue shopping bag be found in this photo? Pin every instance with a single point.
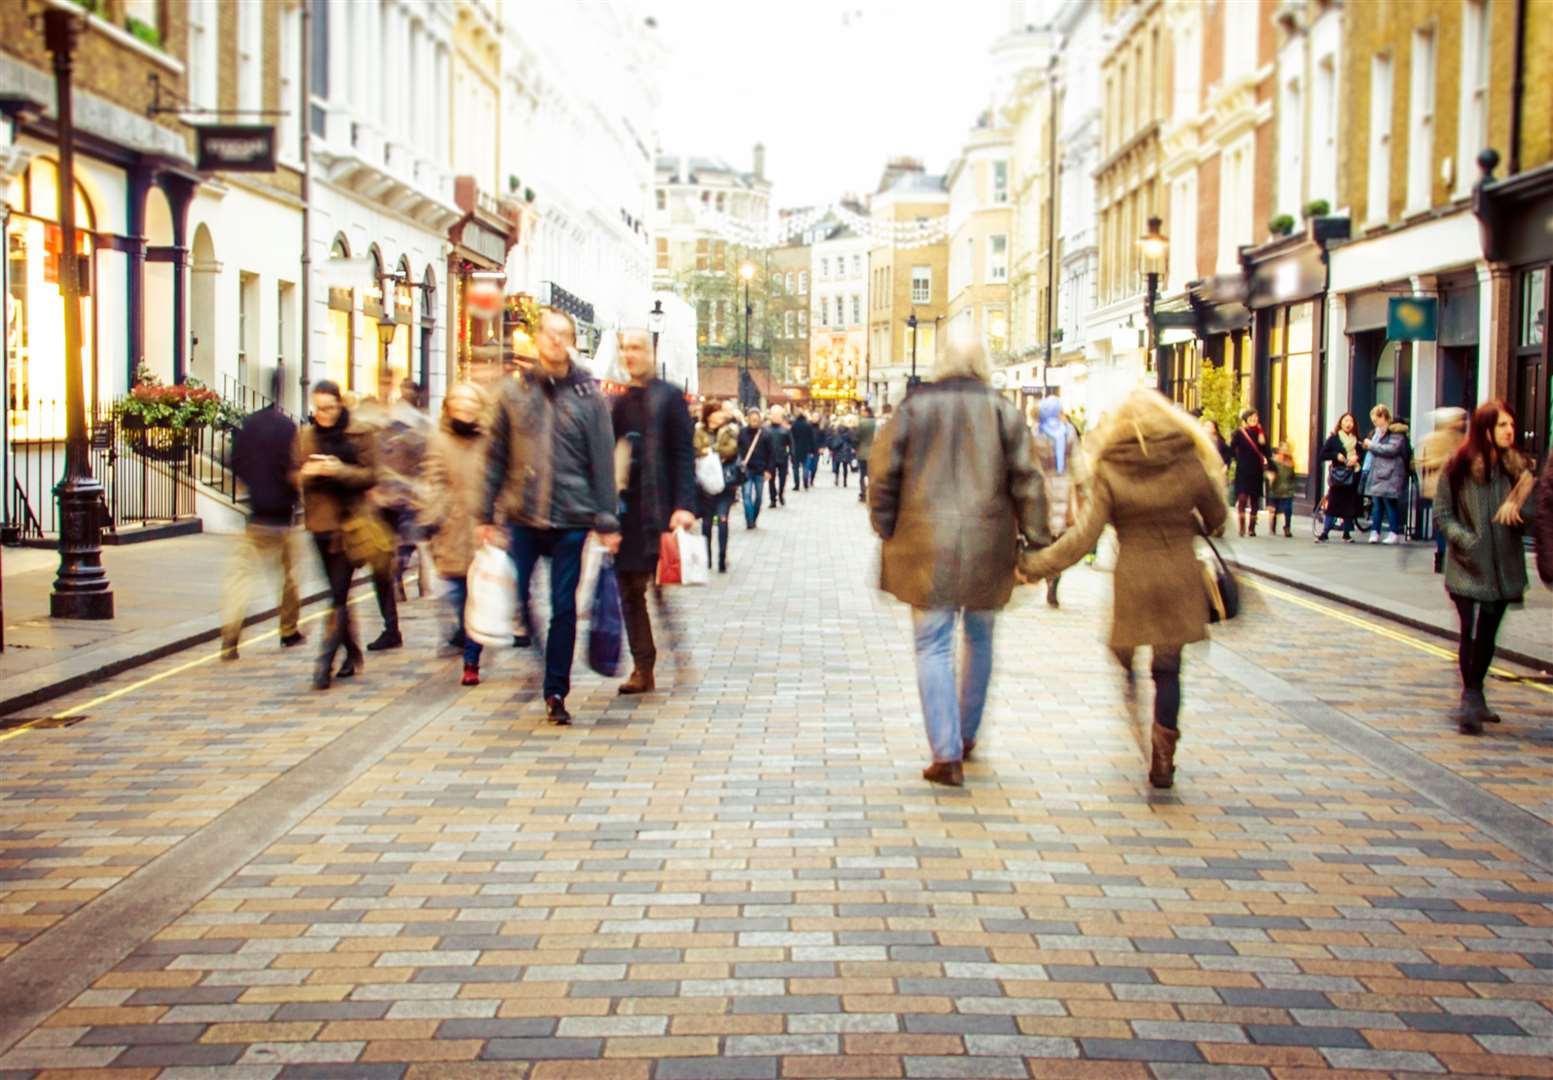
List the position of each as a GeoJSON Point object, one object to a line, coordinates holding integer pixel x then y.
{"type": "Point", "coordinates": [607, 625]}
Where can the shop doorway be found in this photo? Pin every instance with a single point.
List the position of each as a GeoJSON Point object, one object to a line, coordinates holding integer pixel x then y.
{"type": "Point", "coordinates": [1458, 376]}
{"type": "Point", "coordinates": [1529, 366]}
{"type": "Point", "coordinates": [1382, 375]}
{"type": "Point", "coordinates": [202, 296]}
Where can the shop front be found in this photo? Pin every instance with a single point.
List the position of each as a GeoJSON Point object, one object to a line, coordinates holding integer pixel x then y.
{"type": "Point", "coordinates": [479, 242]}
{"type": "Point", "coordinates": [837, 366]}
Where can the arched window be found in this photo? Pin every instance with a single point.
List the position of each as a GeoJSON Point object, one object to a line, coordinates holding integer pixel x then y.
{"type": "Point", "coordinates": [402, 352]}
{"type": "Point", "coordinates": [428, 327]}
{"type": "Point", "coordinates": [377, 320]}
{"type": "Point", "coordinates": [341, 359]}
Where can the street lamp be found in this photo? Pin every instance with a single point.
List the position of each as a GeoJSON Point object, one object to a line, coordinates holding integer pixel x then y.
{"type": "Point", "coordinates": [655, 324]}
{"type": "Point", "coordinates": [747, 271]}
{"type": "Point", "coordinates": [1152, 246]}
{"type": "Point", "coordinates": [911, 322]}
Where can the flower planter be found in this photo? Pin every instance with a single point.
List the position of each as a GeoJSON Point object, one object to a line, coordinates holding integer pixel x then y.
{"type": "Point", "coordinates": [157, 443]}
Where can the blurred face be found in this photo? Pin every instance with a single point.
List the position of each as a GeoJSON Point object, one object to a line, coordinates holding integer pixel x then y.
{"type": "Point", "coordinates": [753, 418]}
{"type": "Point", "coordinates": [636, 356]}
{"type": "Point", "coordinates": [1253, 420]}
{"type": "Point", "coordinates": [463, 407]}
{"type": "Point", "coordinates": [1210, 428]}
{"type": "Point", "coordinates": [554, 340]}
{"type": "Point", "coordinates": [1346, 425]}
{"type": "Point", "coordinates": [1380, 417]}
{"type": "Point", "coordinates": [1504, 431]}
{"type": "Point", "coordinates": [776, 416]}
{"type": "Point", "coordinates": [326, 410]}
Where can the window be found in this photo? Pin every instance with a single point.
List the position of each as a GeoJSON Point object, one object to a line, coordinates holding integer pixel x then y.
{"type": "Point", "coordinates": [722, 201]}
{"type": "Point", "coordinates": [803, 322]}
{"type": "Point", "coordinates": [204, 55]}
{"type": "Point", "coordinates": [857, 266]}
{"type": "Point", "coordinates": [1323, 134]}
{"type": "Point", "coordinates": [144, 11]}
{"type": "Point", "coordinates": [703, 255]}
{"type": "Point", "coordinates": [997, 258]}
{"type": "Point", "coordinates": [720, 255]}
{"type": "Point", "coordinates": [1235, 203]}
{"type": "Point", "coordinates": [787, 282]}
{"type": "Point", "coordinates": [288, 82]}
{"type": "Point", "coordinates": [1472, 134]}
{"type": "Point", "coordinates": [1187, 73]}
{"type": "Point", "coordinates": [824, 269]}
{"type": "Point", "coordinates": [1000, 181]}
{"type": "Point", "coordinates": [1289, 372]}
{"type": "Point", "coordinates": [1240, 34]}
{"type": "Point", "coordinates": [787, 324]}
{"type": "Point", "coordinates": [663, 253]}
{"type": "Point", "coordinates": [1183, 231]}
{"type": "Point", "coordinates": [285, 318]}
{"type": "Point", "coordinates": [803, 283]}
{"type": "Point", "coordinates": [663, 199]}
{"type": "Point", "coordinates": [997, 331]}
{"type": "Point", "coordinates": [1420, 149]}
{"type": "Point", "coordinates": [1290, 145]}
{"type": "Point", "coordinates": [247, 326]}
{"type": "Point", "coordinates": [824, 311]}
{"type": "Point", "coordinates": [857, 308]}
{"type": "Point", "coordinates": [921, 284]}
{"type": "Point", "coordinates": [250, 54]}
{"type": "Point", "coordinates": [1378, 196]}
{"type": "Point", "coordinates": [318, 66]}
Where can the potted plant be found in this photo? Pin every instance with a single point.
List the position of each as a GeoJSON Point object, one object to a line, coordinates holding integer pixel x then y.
{"type": "Point", "coordinates": [161, 420]}
{"type": "Point", "coordinates": [1282, 225]}
{"type": "Point", "coordinates": [1317, 208]}
{"type": "Point", "coordinates": [528, 194]}
{"type": "Point", "coordinates": [144, 31]}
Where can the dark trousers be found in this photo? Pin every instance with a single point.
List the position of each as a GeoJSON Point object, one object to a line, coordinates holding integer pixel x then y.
{"type": "Point", "coordinates": [563, 547]}
{"type": "Point", "coordinates": [1332, 519]}
{"type": "Point", "coordinates": [714, 512]}
{"type": "Point", "coordinates": [862, 479]}
{"type": "Point", "coordinates": [633, 605]}
{"type": "Point", "coordinates": [811, 465]}
{"type": "Point", "coordinates": [1165, 667]}
{"type": "Point", "coordinates": [1479, 626]}
{"type": "Point", "coordinates": [779, 483]}
{"type": "Point", "coordinates": [1284, 506]}
{"type": "Point", "coordinates": [385, 582]}
{"type": "Point", "coordinates": [338, 572]}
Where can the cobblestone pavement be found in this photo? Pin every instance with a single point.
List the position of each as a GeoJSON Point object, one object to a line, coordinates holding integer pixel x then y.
{"type": "Point", "coordinates": [220, 873]}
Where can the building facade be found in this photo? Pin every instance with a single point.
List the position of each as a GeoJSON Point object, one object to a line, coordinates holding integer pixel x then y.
{"type": "Point", "coordinates": [908, 268]}
{"type": "Point", "coordinates": [791, 271]}
{"type": "Point", "coordinates": [838, 312]}
{"type": "Point", "coordinates": [980, 218]}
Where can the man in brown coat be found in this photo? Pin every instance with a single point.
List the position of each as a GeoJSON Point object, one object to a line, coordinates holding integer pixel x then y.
{"type": "Point", "coordinates": [954, 487]}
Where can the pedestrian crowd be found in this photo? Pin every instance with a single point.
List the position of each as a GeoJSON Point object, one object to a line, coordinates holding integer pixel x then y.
{"type": "Point", "coordinates": [969, 497]}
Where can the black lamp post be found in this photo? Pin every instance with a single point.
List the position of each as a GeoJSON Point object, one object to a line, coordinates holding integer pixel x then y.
{"type": "Point", "coordinates": [1153, 246]}
{"type": "Point", "coordinates": [913, 381]}
{"type": "Point", "coordinates": [655, 323]}
{"type": "Point", "coordinates": [746, 383]}
{"type": "Point", "coordinates": [81, 589]}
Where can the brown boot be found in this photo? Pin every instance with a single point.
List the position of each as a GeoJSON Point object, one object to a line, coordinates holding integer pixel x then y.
{"type": "Point", "coordinates": [1242, 516]}
{"type": "Point", "coordinates": [945, 772]}
{"type": "Point", "coordinates": [640, 682]}
{"type": "Point", "coordinates": [1162, 769]}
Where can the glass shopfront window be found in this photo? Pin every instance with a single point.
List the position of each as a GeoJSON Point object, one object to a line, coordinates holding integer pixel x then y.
{"type": "Point", "coordinates": [35, 306]}
{"type": "Point", "coordinates": [340, 363]}
{"type": "Point", "coordinates": [1290, 369]}
{"type": "Point", "coordinates": [1531, 373]}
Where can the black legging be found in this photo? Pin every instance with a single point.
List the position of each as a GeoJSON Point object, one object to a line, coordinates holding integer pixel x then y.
{"type": "Point", "coordinates": [338, 570]}
{"type": "Point", "coordinates": [716, 508]}
{"type": "Point", "coordinates": [1479, 626]}
{"type": "Point", "coordinates": [1165, 667]}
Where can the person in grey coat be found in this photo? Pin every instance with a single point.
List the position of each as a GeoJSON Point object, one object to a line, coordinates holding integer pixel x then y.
{"type": "Point", "coordinates": [1483, 506]}
{"type": "Point", "coordinates": [954, 487]}
{"type": "Point", "coordinates": [550, 471]}
{"type": "Point", "coordinates": [1387, 464]}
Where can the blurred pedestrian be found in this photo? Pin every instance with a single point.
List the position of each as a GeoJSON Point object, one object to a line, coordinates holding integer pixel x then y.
{"type": "Point", "coordinates": [550, 470]}
{"type": "Point", "coordinates": [1483, 505]}
{"type": "Point", "coordinates": [1436, 449]}
{"type": "Point", "coordinates": [842, 451]}
{"type": "Point", "coordinates": [454, 474]}
{"type": "Point", "coordinates": [718, 434]}
{"type": "Point", "coordinates": [1341, 453]}
{"type": "Point", "coordinates": [1154, 481]}
{"type": "Point", "coordinates": [801, 437]}
{"type": "Point", "coordinates": [1387, 466]}
{"type": "Point", "coordinates": [1061, 460]}
{"type": "Point", "coordinates": [867, 430]}
{"type": "Point", "coordinates": [955, 485]}
{"type": "Point", "coordinates": [781, 453]}
{"type": "Point", "coordinates": [336, 461]}
{"type": "Point", "coordinates": [755, 458]}
{"type": "Point", "coordinates": [400, 431]}
{"type": "Point", "coordinates": [262, 459]}
{"type": "Point", "coordinates": [1282, 489]}
{"type": "Point", "coordinates": [817, 437]}
{"type": "Point", "coordinates": [1251, 453]}
{"type": "Point", "coordinates": [659, 494]}
{"type": "Point", "coordinates": [1542, 524]}
{"type": "Point", "coordinates": [1211, 427]}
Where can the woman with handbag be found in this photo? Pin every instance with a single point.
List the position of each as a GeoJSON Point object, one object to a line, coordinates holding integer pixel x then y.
{"type": "Point", "coordinates": [755, 457]}
{"type": "Point", "coordinates": [454, 483]}
{"type": "Point", "coordinates": [337, 465]}
{"type": "Point", "coordinates": [1155, 478]}
{"type": "Point", "coordinates": [717, 436]}
{"type": "Point", "coordinates": [1341, 453]}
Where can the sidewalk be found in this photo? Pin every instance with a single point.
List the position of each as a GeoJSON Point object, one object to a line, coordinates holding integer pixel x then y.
{"type": "Point", "coordinates": [1396, 582]}
{"type": "Point", "coordinates": [166, 596]}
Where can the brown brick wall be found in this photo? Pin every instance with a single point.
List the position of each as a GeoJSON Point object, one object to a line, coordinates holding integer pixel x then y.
{"type": "Point", "coordinates": [1208, 215]}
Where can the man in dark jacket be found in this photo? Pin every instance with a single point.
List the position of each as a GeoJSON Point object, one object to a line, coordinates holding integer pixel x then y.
{"type": "Point", "coordinates": [781, 451]}
{"type": "Point", "coordinates": [755, 457]}
{"type": "Point", "coordinates": [659, 495]}
{"type": "Point", "coordinates": [550, 469]}
{"type": "Point", "coordinates": [261, 459]}
{"type": "Point", "coordinates": [802, 438]}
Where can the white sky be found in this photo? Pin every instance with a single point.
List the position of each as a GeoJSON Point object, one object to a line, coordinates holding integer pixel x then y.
{"type": "Point", "coordinates": [832, 87]}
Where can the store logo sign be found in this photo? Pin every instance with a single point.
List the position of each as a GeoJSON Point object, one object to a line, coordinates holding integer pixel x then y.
{"type": "Point", "coordinates": [235, 147]}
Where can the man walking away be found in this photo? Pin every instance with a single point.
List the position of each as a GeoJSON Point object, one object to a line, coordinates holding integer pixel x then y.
{"type": "Point", "coordinates": [659, 494]}
{"type": "Point", "coordinates": [867, 428]}
{"type": "Point", "coordinates": [550, 469]}
{"type": "Point", "coordinates": [261, 459]}
{"type": "Point", "coordinates": [781, 451]}
{"type": "Point", "coordinates": [801, 438]}
{"type": "Point", "coordinates": [955, 484]}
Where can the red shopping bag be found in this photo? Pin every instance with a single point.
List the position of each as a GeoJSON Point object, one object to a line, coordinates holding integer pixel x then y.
{"type": "Point", "coordinates": [668, 560]}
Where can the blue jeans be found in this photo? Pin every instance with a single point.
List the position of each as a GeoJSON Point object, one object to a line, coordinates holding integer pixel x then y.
{"type": "Point", "coordinates": [1439, 536]}
{"type": "Point", "coordinates": [754, 484]}
{"type": "Point", "coordinates": [563, 547]}
{"type": "Point", "coordinates": [1388, 507]}
{"type": "Point", "coordinates": [1284, 506]}
{"type": "Point", "coordinates": [458, 594]}
{"type": "Point", "coordinates": [952, 711]}
{"type": "Point", "coordinates": [811, 465]}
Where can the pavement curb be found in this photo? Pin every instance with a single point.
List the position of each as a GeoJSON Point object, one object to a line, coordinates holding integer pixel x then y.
{"type": "Point", "coordinates": [1371, 607]}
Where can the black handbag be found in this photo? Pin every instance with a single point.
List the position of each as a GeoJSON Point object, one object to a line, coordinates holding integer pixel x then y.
{"type": "Point", "coordinates": [1219, 584]}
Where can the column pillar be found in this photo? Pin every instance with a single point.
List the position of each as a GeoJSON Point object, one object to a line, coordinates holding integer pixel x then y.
{"type": "Point", "coordinates": [139, 187]}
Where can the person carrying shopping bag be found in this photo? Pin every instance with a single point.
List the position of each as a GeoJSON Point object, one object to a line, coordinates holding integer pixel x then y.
{"type": "Point", "coordinates": [454, 483]}
{"type": "Point", "coordinates": [755, 461]}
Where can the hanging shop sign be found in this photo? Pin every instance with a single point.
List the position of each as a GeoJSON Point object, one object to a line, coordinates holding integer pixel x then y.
{"type": "Point", "coordinates": [1412, 318]}
{"type": "Point", "coordinates": [484, 241]}
{"type": "Point", "coordinates": [235, 147]}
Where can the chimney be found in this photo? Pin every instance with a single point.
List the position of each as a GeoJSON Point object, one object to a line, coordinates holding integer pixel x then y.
{"type": "Point", "coordinates": [760, 161]}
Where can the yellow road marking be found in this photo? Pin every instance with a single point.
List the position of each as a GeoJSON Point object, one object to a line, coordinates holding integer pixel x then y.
{"type": "Point", "coordinates": [1375, 628]}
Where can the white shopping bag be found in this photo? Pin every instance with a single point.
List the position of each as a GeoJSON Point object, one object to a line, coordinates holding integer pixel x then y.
{"type": "Point", "coordinates": [1106, 551]}
{"type": "Point", "coordinates": [593, 554]}
{"type": "Point", "coordinates": [693, 562]}
{"type": "Point", "coordinates": [492, 600]}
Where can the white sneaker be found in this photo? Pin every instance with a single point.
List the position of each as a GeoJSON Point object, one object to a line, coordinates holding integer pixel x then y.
{"type": "Point", "coordinates": [1374, 538]}
{"type": "Point", "coordinates": [1392, 539]}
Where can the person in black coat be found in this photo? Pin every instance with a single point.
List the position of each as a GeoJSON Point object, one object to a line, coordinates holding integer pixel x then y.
{"type": "Point", "coordinates": [1251, 452]}
{"type": "Point", "coordinates": [755, 459]}
{"type": "Point", "coordinates": [781, 451]}
{"type": "Point", "coordinates": [842, 449]}
{"type": "Point", "coordinates": [653, 439]}
{"type": "Point", "coordinates": [803, 447]}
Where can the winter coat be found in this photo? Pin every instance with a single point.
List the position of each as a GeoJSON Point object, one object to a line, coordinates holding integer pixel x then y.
{"type": "Point", "coordinates": [803, 439]}
{"type": "Point", "coordinates": [665, 476]}
{"type": "Point", "coordinates": [1433, 452]}
{"type": "Point", "coordinates": [1252, 457]}
{"type": "Point", "coordinates": [401, 431]}
{"type": "Point", "coordinates": [1542, 527]}
{"type": "Point", "coordinates": [550, 459]}
{"type": "Point", "coordinates": [1388, 463]}
{"type": "Point", "coordinates": [867, 430]}
{"type": "Point", "coordinates": [954, 485]}
{"type": "Point", "coordinates": [725, 441]}
{"type": "Point", "coordinates": [454, 474]}
{"type": "Point", "coordinates": [1343, 500]}
{"type": "Point", "coordinates": [1485, 560]}
{"type": "Point", "coordinates": [329, 501]}
{"type": "Point", "coordinates": [1062, 489]}
{"type": "Point", "coordinates": [781, 440]}
{"type": "Point", "coordinates": [1151, 486]}
{"type": "Point", "coordinates": [1285, 483]}
{"type": "Point", "coordinates": [761, 459]}
{"type": "Point", "coordinates": [262, 453]}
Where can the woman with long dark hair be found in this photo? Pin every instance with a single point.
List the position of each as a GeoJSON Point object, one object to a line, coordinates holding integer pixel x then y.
{"type": "Point", "coordinates": [1341, 454]}
{"type": "Point", "coordinates": [1481, 505]}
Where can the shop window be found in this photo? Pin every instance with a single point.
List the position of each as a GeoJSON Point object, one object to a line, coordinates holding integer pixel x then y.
{"type": "Point", "coordinates": [1290, 360]}
{"type": "Point", "coordinates": [663, 253]}
{"type": "Point", "coordinates": [1531, 392]}
{"type": "Point", "coordinates": [663, 200]}
{"type": "Point", "coordinates": [1533, 313]}
{"type": "Point", "coordinates": [340, 360]}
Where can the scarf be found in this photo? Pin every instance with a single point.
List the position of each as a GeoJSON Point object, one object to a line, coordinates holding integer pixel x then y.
{"type": "Point", "coordinates": [1349, 441]}
{"type": "Point", "coordinates": [1053, 427]}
